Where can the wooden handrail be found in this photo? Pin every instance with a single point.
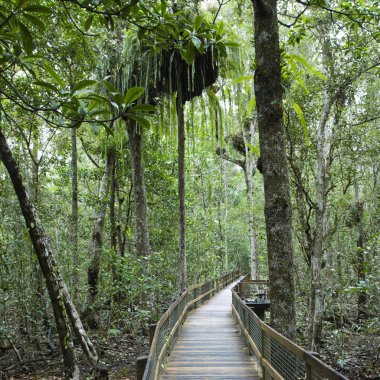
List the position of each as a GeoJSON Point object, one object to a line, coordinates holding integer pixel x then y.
{"type": "Point", "coordinates": [275, 343]}
{"type": "Point", "coordinates": [179, 309]}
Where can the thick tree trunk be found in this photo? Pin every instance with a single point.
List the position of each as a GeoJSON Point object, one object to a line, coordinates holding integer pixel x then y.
{"type": "Point", "coordinates": [46, 259]}
{"type": "Point", "coordinates": [181, 184]}
{"type": "Point", "coordinates": [74, 210]}
{"type": "Point", "coordinates": [135, 137]}
{"type": "Point", "coordinates": [278, 216]}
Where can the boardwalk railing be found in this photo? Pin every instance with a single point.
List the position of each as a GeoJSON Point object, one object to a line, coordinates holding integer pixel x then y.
{"type": "Point", "coordinates": [280, 359]}
{"type": "Point", "coordinates": [168, 326]}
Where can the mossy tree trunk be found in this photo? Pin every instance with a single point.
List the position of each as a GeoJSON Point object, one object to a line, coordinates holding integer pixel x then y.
{"type": "Point", "coordinates": [278, 216]}
{"type": "Point", "coordinates": [46, 259]}
{"type": "Point", "coordinates": [74, 210]}
{"type": "Point", "coordinates": [135, 136]}
{"type": "Point", "coordinates": [249, 172]}
{"type": "Point", "coordinates": [96, 247]}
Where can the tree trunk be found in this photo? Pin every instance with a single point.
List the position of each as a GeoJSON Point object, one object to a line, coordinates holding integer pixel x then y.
{"type": "Point", "coordinates": [46, 259]}
{"type": "Point", "coordinates": [181, 183]}
{"type": "Point", "coordinates": [97, 242]}
{"type": "Point", "coordinates": [316, 291]}
{"type": "Point", "coordinates": [122, 233]}
{"type": "Point", "coordinates": [74, 210]}
{"type": "Point", "coordinates": [278, 216]}
{"type": "Point", "coordinates": [112, 204]}
{"type": "Point", "coordinates": [362, 296]}
{"type": "Point", "coordinates": [325, 147]}
{"type": "Point", "coordinates": [249, 172]}
{"type": "Point", "coordinates": [135, 137]}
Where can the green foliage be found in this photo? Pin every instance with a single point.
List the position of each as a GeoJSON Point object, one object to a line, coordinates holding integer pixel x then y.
{"type": "Point", "coordinates": [55, 74]}
{"type": "Point", "coordinates": [302, 120]}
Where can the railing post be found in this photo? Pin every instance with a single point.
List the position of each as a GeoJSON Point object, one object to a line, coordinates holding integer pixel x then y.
{"type": "Point", "coordinates": [308, 372]}
{"type": "Point", "coordinates": [140, 367]}
{"type": "Point", "coordinates": [152, 330]}
{"type": "Point", "coordinates": [263, 351]}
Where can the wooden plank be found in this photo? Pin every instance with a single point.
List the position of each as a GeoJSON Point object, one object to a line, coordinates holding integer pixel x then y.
{"type": "Point", "coordinates": [210, 346]}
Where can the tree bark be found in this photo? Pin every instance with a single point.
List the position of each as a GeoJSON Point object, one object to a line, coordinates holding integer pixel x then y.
{"type": "Point", "coordinates": [249, 172]}
{"type": "Point", "coordinates": [325, 147]}
{"type": "Point", "coordinates": [46, 259]}
{"type": "Point", "coordinates": [278, 216]}
{"type": "Point", "coordinates": [97, 241]}
{"type": "Point", "coordinates": [362, 296]}
{"type": "Point", "coordinates": [135, 137]}
{"type": "Point", "coordinates": [316, 291]}
{"type": "Point", "coordinates": [74, 210]}
{"type": "Point", "coordinates": [181, 182]}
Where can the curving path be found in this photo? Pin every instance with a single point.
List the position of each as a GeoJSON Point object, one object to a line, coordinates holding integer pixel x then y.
{"type": "Point", "coordinates": [209, 345]}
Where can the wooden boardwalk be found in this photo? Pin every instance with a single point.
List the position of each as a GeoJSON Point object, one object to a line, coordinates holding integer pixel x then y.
{"type": "Point", "coordinates": [209, 345]}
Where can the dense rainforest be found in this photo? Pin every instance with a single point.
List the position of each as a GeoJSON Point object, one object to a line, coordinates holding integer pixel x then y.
{"type": "Point", "coordinates": [150, 145]}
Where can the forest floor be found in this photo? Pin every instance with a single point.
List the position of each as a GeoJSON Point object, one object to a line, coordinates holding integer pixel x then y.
{"type": "Point", "coordinates": [119, 353]}
{"type": "Point", "coordinates": [352, 351]}
{"type": "Point", "coordinates": [356, 354]}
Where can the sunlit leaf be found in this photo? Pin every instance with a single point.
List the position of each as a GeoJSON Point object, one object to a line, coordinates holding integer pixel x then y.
{"type": "Point", "coordinates": [307, 66]}
{"type": "Point", "coordinates": [242, 79]}
{"type": "Point", "coordinates": [251, 106]}
{"type": "Point", "coordinates": [302, 120]}
{"type": "Point", "coordinates": [253, 149]}
{"type": "Point", "coordinates": [83, 84]}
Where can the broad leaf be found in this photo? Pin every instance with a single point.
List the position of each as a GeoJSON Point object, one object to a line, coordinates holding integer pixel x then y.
{"type": "Point", "coordinates": [132, 94]}
{"type": "Point", "coordinates": [109, 86]}
{"type": "Point", "coordinates": [46, 85]}
{"type": "Point", "coordinates": [83, 84]}
{"type": "Point", "coordinates": [36, 22]}
{"type": "Point", "coordinates": [88, 23]}
{"type": "Point", "coordinates": [26, 37]}
{"type": "Point", "coordinates": [53, 74]}
{"type": "Point", "coordinates": [197, 43]}
{"type": "Point", "coordinates": [37, 9]}
{"type": "Point", "coordinates": [189, 54]}
{"type": "Point", "coordinates": [143, 107]}
{"type": "Point", "coordinates": [145, 123]}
